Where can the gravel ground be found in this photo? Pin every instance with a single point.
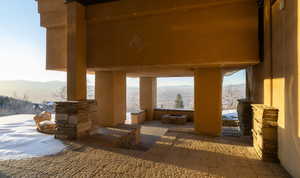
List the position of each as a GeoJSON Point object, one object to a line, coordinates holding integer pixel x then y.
{"type": "Point", "coordinates": [176, 154]}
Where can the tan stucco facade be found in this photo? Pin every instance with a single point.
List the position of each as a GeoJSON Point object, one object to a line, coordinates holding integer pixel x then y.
{"type": "Point", "coordinates": [199, 38]}
{"type": "Point", "coordinates": [276, 81]}
{"type": "Point", "coordinates": [132, 35]}
{"type": "Point", "coordinates": [148, 96]}
{"type": "Point", "coordinates": [76, 52]}
{"type": "Point", "coordinates": [208, 101]}
{"type": "Point", "coordinates": [110, 93]}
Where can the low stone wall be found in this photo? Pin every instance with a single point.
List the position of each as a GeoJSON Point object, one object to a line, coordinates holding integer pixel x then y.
{"type": "Point", "coordinates": [174, 119]}
{"type": "Point", "coordinates": [73, 118]}
{"type": "Point", "coordinates": [158, 113]}
{"type": "Point", "coordinates": [125, 136]}
{"type": "Point", "coordinates": [138, 117]}
{"type": "Point", "coordinates": [265, 139]}
{"type": "Point", "coordinates": [245, 116]}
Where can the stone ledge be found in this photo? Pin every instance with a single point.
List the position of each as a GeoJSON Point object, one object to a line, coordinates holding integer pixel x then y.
{"type": "Point", "coordinates": [174, 119]}
{"type": "Point", "coordinates": [125, 136]}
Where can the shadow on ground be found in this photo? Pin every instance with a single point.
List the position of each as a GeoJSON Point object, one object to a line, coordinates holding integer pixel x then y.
{"type": "Point", "coordinates": [176, 153]}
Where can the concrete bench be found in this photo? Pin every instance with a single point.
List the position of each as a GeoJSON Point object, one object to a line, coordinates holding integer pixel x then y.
{"type": "Point", "coordinates": [125, 136]}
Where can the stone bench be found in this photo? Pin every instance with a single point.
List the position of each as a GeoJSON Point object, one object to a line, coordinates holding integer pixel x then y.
{"type": "Point", "coordinates": [125, 136]}
{"type": "Point", "coordinates": [174, 119]}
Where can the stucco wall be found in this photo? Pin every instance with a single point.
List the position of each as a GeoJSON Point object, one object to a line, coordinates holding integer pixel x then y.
{"type": "Point", "coordinates": [53, 15]}
{"type": "Point", "coordinates": [131, 34]}
{"type": "Point", "coordinates": [283, 81]}
{"type": "Point", "coordinates": [110, 94]}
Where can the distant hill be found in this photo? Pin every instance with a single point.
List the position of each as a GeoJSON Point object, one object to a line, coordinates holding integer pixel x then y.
{"type": "Point", "coordinates": [166, 96]}
{"type": "Point", "coordinates": [32, 91]}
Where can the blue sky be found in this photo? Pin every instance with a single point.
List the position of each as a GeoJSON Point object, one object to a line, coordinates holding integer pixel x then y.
{"type": "Point", "coordinates": [23, 48]}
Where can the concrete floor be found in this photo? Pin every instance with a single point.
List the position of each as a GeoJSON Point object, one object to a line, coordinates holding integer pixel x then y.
{"type": "Point", "coordinates": [177, 153]}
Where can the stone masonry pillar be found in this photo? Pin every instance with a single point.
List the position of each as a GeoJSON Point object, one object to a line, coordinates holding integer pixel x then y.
{"type": "Point", "coordinates": [110, 91]}
{"type": "Point", "coordinates": [76, 52]}
{"type": "Point", "coordinates": [148, 89]}
{"type": "Point", "coordinates": [208, 101]}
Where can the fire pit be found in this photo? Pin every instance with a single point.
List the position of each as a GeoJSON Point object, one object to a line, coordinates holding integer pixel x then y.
{"type": "Point", "coordinates": [174, 119]}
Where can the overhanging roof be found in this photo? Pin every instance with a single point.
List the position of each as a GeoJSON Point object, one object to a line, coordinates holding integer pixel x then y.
{"type": "Point", "coordinates": [90, 2]}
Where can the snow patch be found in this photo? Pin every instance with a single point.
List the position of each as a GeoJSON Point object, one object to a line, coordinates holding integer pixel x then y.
{"type": "Point", "coordinates": [19, 139]}
{"type": "Point", "coordinates": [128, 118]}
{"type": "Point", "coordinates": [230, 115]}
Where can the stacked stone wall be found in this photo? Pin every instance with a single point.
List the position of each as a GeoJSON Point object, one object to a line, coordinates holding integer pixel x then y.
{"type": "Point", "coordinates": [73, 119]}
{"type": "Point", "coordinates": [265, 139]}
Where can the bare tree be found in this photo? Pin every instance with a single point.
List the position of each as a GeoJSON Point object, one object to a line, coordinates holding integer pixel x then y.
{"type": "Point", "coordinates": [61, 93]}
{"type": "Point", "coordinates": [25, 97]}
{"type": "Point", "coordinates": [15, 95]}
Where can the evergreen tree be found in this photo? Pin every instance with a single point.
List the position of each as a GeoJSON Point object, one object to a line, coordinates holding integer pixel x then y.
{"type": "Point", "coordinates": [179, 102]}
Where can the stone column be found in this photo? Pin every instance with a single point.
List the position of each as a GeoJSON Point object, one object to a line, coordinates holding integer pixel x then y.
{"type": "Point", "coordinates": [110, 94]}
{"type": "Point", "coordinates": [76, 51]}
{"type": "Point", "coordinates": [208, 101]}
{"type": "Point", "coordinates": [148, 89]}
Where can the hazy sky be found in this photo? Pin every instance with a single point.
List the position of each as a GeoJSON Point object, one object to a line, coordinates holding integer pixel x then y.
{"type": "Point", "coordinates": [236, 78]}
{"type": "Point", "coordinates": [22, 47]}
{"type": "Point", "coordinates": [22, 43]}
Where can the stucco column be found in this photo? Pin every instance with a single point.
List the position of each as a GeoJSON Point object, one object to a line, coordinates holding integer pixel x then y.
{"type": "Point", "coordinates": [208, 101]}
{"type": "Point", "coordinates": [76, 51]}
{"type": "Point", "coordinates": [110, 91]}
{"type": "Point", "coordinates": [148, 96]}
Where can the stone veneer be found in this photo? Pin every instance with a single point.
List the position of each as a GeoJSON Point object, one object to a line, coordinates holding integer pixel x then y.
{"type": "Point", "coordinates": [264, 132]}
{"type": "Point", "coordinates": [138, 117]}
{"type": "Point", "coordinates": [245, 116]}
{"type": "Point", "coordinates": [73, 118]}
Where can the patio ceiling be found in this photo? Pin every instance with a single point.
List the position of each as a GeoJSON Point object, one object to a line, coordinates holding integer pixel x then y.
{"type": "Point", "coordinates": [90, 2]}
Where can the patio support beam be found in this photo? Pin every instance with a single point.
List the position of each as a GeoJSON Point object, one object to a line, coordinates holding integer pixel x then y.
{"type": "Point", "coordinates": [110, 91]}
{"type": "Point", "coordinates": [76, 52]}
{"type": "Point", "coordinates": [148, 89]}
{"type": "Point", "coordinates": [208, 101]}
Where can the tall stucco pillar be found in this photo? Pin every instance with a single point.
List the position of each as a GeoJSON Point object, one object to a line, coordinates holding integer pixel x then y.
{"type": "Point", "coordinates": [208, 101]}
{"type": "Point", "coordinates": [110, 91]}
{"type": "Point", "coordinates": [76, 51]}
{"type": "Point", "coordinates": [148, 89]}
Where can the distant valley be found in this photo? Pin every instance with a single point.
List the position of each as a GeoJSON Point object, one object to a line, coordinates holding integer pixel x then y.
{"type": "Point", "coordinates": [39, 92]}
{"type": "Point", "coordinates": [33, 91]}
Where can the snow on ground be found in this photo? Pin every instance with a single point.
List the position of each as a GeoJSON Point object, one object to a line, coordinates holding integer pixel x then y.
{"type": "Point", "coordinates": [19, 139]}
{"type": "Point", "coordinates": [230, 114]}
{"type": "Point", "coordinates": [128, 118]}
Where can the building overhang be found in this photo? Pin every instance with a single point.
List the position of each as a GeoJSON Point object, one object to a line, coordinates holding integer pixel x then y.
{"type": "Point", "coordinates": [90, 2]}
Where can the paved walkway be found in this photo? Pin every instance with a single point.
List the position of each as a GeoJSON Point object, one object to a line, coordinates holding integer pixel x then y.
{"type": "Point", "coordinates": [176, 154]}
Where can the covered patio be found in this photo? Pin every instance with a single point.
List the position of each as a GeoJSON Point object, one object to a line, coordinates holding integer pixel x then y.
{"type": "Point", "coordinates": [149, 39]}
